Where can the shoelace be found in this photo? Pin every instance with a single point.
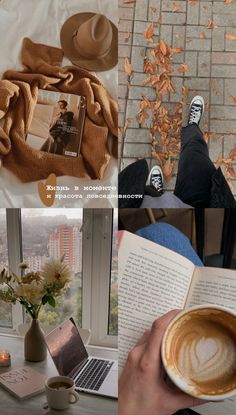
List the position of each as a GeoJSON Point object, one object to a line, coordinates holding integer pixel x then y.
{"type": "Point", "coordinates": [194, 114]}
{"type": "Point", "coordinates": [157, 182]}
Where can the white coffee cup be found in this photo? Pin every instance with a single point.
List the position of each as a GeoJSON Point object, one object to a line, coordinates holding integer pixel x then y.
{"type": "Point", "coordinates": [199, 352]}
{"type": "Point", "coordinates": [60, 392]}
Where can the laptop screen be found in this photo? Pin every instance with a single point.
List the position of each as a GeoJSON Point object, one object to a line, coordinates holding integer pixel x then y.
{"type": "Point", "coordinates": [66, 348]}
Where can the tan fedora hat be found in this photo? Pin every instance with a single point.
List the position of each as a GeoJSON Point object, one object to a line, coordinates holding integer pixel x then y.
{"type": "Point", "coordinates": [90, 41]}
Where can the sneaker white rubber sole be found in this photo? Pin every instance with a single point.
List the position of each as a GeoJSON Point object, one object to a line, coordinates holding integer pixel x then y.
{"type": "Point", "coordinates": [202, 102]}
{"type": "Point", "coordinates": [157, 170]}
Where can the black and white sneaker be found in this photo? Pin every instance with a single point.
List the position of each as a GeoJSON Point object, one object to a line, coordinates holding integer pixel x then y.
{"type": "Point", "coordinates": [196, 110]}
{"type": "Point", "coordinates": [155, 179]}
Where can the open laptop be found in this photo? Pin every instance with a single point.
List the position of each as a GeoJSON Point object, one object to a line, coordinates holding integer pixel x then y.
{"type": "Point", "coordinates": [91, 374]}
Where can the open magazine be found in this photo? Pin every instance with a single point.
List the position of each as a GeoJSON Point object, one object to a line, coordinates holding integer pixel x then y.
{"type": "Point", "coordinates": [57, 124]}
{"type": "Point", "coordinates": [154, 280]}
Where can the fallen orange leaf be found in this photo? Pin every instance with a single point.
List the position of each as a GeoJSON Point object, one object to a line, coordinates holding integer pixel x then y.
{"type": "Point", "coordinates": [153, 9]}
{"type": "Point", "coordinates": [207, 136]}
{"type": "Point", "coordinates": [128, 121]}
{"type": "Point", "coordinates": [202, 35]}
{"type": "Point", "coordinates": [228, 1]}
{"type": "Point", "coordinates": [126, 36]}
{"type": "Point", "coordinates": [232, 99]}
{"type": "Point", "coordinates": [163, 47]}
{"type": "Point", "coordinates": [149, 33]}
{"type": "Point", "coordinates": [167, 169]}
{"type": "Point", "coordinates": [211, 24]}
{"type": "Point", "coordinates": [128, 67]}
{"type": "Point", "coordinates": [213, 84]}
{"type": "Point", "coordinates": [176, 7]}
{"type": "Point", "coordinates": [183, 68]}
{"type": "Point", "coordinates": [228, 36]}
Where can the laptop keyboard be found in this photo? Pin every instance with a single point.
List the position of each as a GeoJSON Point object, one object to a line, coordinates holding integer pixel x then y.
{"type": "Point", "coordinates": [94, 374]}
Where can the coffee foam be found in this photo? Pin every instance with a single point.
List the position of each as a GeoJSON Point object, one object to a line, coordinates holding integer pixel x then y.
{"type": "Point", "coordinates": [202, 350]}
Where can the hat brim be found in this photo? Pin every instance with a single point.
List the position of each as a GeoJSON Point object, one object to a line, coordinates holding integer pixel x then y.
{"type": "Point", "coordinates": [98, 65]}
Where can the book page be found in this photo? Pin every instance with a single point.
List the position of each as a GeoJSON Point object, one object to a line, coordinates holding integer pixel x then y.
{"type": "Point", "coordinates": [152, 281]}
{"type": "Point", "coordinates": [214, 286]}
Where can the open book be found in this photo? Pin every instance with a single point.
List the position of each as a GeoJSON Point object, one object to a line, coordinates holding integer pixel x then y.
{"type": "Point", "coordinates": [154, 280]}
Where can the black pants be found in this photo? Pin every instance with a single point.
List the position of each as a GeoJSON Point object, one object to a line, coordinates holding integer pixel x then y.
{"type": "Point", "coordinates": [194, 178]}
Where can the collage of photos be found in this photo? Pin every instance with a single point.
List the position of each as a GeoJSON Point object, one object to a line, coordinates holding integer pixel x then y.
{"type": "Point", "coordinates": [118, 207]}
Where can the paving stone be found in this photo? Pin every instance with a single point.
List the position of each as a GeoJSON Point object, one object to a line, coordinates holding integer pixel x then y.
{"type": "Point", "coordinates": [168, 5]}
{"type": "Point", "coordinates": [215, 147]}
{"type": "Point", "coordinates": [138, 54]}
{"type": "Point", "coordinates": [133, 107]}
{"type": "Point", "coordinates": [178, 85]}
{"type": "Point", "coordinates": [199, 44]}
{"type": "Point", "coordinates": [223, 112]}
{"type": "Point", "coordinates": [173, 18]}
{"type": "Point", "coordinates": [229, 144]}
{"type": "Point", "coordinates": [191, 61]}
{"type": "Point", "coordinates": [122, 78]}
{"type": "Point", "coordinates": [122, 91]}
{"type": "Point", "coordinates": [224, 58]}
{"type": "Point", "coordinates": [125, 162]}
{"type": "Point", "coordinates": [141, 10]}
{"type": "Point", "coordinates": [124, 51]}
{"type": "Point", "coordinates": [138, 78]}
{"type": "Point", "coordinates": [121, 119]}
{"type": "Point", "coordinates": [140, 40]}
{"type": "Point", "coordinates": [123, 40]}
{"type": "Point", "coordinates": [217, 93]}
{"type": "Point", "coordinates": [224, 19]}
{"type": "Point", "coordinates": [154, 5]}
{"type": "Point", "coordinates": [222, 8]}
{"type": "Point", "coordinates": [204, 64]}
{"type": "Point", "coordinates": [126, 14]}
{"type": "Point", "coordinates": [136, 92]}
{"type": "Point", "coordinates": [137, 135]}
{"type": "Point", "coordinates": [230, 90]}
{"type": "Point", "coordinates": [179, 37]}
{"type": "Point", "coordinates": [218, 38]}
{"type": "Point", "coordinates": [125, 26]}
{"type": "Point", "coordinates": [196, 31]}
{"type": "Point", "coordinates": [141, 27]}
{"type": "Point", "coordinates": [230, 45]}
{"type": "Point", "coordinates": [132, 150]}
{"type": "Point", "coordinates": [198, 84]}
{"type": "Point", "coordinates": [166, 34]}
{"type": "Point", "coordinates": [121, 104]}
{"type": "Point", "coordinates": [193, 13]}
{"type": "Point", "coordinates": [205, 12]}
{"type": "Point", "coordinates": [223, 126]}
{"type": "Point", "coordinates": [220, 71]}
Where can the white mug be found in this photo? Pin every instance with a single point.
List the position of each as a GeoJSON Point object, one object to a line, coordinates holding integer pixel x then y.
{"type": "Point", "coordinates": [62, 397]}
{"type": "Point", "coordinates": [187, 385]}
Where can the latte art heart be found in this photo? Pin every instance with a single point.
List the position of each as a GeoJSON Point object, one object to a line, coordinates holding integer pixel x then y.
{"type": "Point", "coordinates": [205, 358]}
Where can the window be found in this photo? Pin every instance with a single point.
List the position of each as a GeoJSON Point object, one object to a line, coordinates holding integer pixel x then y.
{"type": "Point", "coordinates": [100, 286]}
{"type": "Point", "coordinates": [58, 234]}
{"type": "Point", "coordinates": [5, 309]}
{"type": "Point", "coordinates": [113, 305]}
{"type": "Point", "coordinates": [88, 240]}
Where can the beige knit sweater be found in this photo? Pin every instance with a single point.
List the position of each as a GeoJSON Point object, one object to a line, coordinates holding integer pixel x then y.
{"type": "Point", "coordinates": [18, 97]}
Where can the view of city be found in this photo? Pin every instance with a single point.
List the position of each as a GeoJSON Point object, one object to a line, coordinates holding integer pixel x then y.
{"type": "Point", "coordinates": [53, 234]}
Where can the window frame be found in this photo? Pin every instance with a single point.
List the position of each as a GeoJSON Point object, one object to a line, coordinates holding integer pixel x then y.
{"type": "Point", "coordinates": [97, 229]}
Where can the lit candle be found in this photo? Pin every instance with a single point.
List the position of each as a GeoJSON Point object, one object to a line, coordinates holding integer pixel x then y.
{"type": "Point", "coordinates": [5, 358]}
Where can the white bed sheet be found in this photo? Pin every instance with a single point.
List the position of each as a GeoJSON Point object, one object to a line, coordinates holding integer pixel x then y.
{"type": "Point", "coordinates": [41, 20]}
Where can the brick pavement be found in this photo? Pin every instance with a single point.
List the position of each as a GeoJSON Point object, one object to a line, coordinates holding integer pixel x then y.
{"type": "Point", "coordinates": [211, 59]}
